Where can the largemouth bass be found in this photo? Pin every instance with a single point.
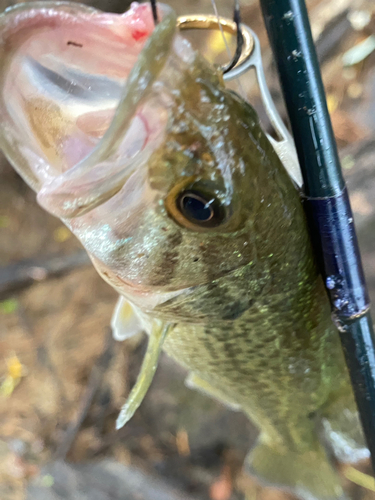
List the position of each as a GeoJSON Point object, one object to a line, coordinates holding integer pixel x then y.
{"type": "Point", "coordinates": [184, 207]}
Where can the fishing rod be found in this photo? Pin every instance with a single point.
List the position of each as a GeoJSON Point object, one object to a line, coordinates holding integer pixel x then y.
{"type": "Point", "coordinates": [326, 198]}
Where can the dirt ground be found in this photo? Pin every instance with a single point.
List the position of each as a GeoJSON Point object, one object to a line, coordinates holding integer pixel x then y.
{"type": "Point", "coordinates": [70, 378]}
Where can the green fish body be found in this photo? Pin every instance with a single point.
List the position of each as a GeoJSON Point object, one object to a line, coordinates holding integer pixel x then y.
{"type": "Point", "coordinates": [260, 336]}
{"type": "Point", "coordinates": [185, 208]}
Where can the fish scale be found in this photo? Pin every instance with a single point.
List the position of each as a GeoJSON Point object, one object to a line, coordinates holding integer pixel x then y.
{"type": "Point", "coordinates": [234, 352]}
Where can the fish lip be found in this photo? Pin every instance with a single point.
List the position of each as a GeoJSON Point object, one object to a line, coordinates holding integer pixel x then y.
{"type": "Point", "coordinates": [143, 297]}
{"type": "Point", "coordinates": [39, 5]}
{"type": "Point", "coordinates": [131, 290]}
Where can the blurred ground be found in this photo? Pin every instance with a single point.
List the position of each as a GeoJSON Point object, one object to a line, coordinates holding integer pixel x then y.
{"type": "Point", "coordinates": [72, 378]}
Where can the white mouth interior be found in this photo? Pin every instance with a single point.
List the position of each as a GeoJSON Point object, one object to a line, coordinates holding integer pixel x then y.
{"type": "Point", "coordinates": [62, 89]}
{"type": "Point", "coordinates": [73, 100]}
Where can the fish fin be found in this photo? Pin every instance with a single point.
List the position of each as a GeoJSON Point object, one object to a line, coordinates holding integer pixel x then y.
{"type": "Point", "coordinates": [308, 475]}
{"type": "Point", "coordinates": [146, 375]}
{"type": "Point", "coordinates": [345, 437]}
{"type": "Point", "coordinates": [342, 429]}
{"type": "Point", "coordinates": [193, 381]}
{"type": "Point", "coordinates": [125, 322]}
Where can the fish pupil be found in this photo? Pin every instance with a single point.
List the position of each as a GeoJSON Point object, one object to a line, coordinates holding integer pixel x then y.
{"type": "Point", "coordinates": [195, 207]}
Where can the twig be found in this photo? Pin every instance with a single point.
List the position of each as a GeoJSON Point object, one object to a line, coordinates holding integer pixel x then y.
{"type": "Point", "coordinates": [93, 385]}
{"type": "Point", "coordinates": [329, 41]}
{"type": "Point", "coordinates": [21, 274]}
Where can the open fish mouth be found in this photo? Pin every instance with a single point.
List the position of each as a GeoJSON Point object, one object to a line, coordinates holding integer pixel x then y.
{"type": "Point", "coordinates": [75, 121]}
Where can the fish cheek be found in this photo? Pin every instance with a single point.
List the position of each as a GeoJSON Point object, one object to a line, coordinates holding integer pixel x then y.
{"type": "Point", "coordinates": [160, 254]}
{"type": "Point", "coordinates": [202, 258]}
{"type": "Point", "coordinates": [163, 272]}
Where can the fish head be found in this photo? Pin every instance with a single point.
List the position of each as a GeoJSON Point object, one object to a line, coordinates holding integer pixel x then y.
{"type": "Point", "coordinates": [130, 137]}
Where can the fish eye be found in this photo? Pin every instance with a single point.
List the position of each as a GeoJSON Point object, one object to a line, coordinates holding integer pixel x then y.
{"type": "Point", "coordinates": [196, 205]}
{"type": "Point", "coordinates": [202, 209]}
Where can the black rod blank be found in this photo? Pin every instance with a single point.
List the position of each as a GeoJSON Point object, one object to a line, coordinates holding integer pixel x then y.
{"type": "Point", "coordinates": [326, 199]}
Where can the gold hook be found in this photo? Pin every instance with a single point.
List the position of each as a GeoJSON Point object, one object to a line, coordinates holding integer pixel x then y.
{"type": "Point", "coordinates": [208, 22]}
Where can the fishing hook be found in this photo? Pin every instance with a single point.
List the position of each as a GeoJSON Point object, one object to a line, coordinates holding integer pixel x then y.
{"type": "Point", "coordinates": [240, 39]}
{"type": "Point", "coordinates": [239, 34]}
{"type": "Point", "coordinates": [154, 12]}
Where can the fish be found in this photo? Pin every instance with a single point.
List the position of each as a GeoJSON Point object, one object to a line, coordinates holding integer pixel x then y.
{"type": "Point", "coordinates": [167, 178]}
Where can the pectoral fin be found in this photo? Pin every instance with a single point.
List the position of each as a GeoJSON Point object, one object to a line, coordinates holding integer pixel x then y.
{"type": "Point", "coordinates": [125, 322]}
{"type": "Point", "coordinates": [148, 369]}
{"type": "Point", "coordinates": [195, 382]}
